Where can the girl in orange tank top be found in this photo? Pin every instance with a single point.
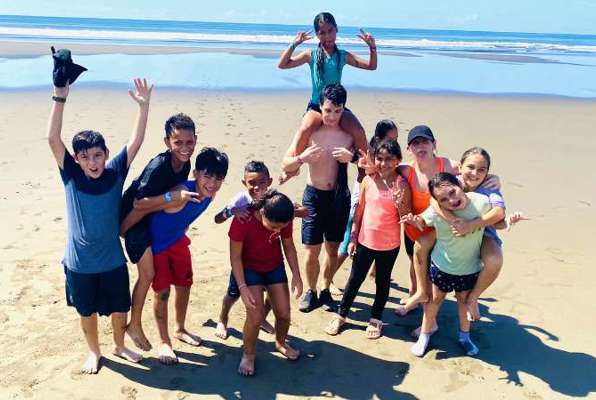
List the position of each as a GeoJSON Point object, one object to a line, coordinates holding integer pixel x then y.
{"type": "Point", "coordinates": [420, 200]}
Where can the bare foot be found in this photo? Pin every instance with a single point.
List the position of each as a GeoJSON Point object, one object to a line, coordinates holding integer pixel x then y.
{"type": "Point", "coordinates": [410, 304]}
{"type": "Point", "coordinates": [127, 354]}
{"type": "Point", "coordinates": [287, 351]}
{"type": "Point", "coordinates": [221, 330]}
{"type": "Point", "coordinates": [138, 338]}
{"type": "Point", "coordinates": [404, 301]}
{"type": "Point", "coordinates": [91, 364]}
{"type": "Point", "coordinates": [334, 290]}
{"type": "Point", "coordinates": [416, 332]}
{"type": "Point", "coordinates": [473, 310]}
{"type": "Point", "coordinates": [267, 327]}
{"type": "Point", "coordinates": [188, 338]}
{"type": "Point", "coordinates": [247, 365]}
{"type": "Point", "coordinates": [167, 355]}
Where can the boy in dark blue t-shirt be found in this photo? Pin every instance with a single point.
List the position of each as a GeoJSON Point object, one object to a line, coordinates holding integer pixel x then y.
{"type": "Point", "coordinates": [148, 193]}
{"type": "Point", "coordinates": [94, 263]}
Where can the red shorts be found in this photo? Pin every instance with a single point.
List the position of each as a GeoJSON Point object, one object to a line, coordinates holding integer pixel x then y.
{"type": "Point", "coordinates": [173, 266]}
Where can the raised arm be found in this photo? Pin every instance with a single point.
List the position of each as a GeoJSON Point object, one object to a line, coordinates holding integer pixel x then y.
{"type": "Point", "coordinates": [371, 63]}
{"type": "Point", "coordinates": [286, 60]}
{"type": "Point", "coordinates": [55, 125]}
{"type": "Point", "coordinates": [142, 96]}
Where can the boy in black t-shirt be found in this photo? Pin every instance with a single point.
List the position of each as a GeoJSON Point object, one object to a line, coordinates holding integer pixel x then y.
{"type": "Point", "coordinates": [161, 174]}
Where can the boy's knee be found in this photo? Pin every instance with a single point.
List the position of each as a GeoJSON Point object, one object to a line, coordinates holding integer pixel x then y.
{"type": "Point", "coordinates": [283, 319]}
{"type": "Point", "coordinates": [255, 317]}
{"type": "Point", "coordinates": [422, 248]}
{"type": "Point", "coordinates": [493, 262]}
{"type": "Point", "coordinates": [163, 295]}
{"type": "Point", "coordinates": [312, 253]}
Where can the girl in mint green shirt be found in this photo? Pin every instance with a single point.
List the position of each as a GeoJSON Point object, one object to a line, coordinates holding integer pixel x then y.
{"type": "Point", "coordinates": [455, 261]}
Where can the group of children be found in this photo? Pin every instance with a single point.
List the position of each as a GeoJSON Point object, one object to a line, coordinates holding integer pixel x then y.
{"type": "Point", "coordinates": [445, 206]}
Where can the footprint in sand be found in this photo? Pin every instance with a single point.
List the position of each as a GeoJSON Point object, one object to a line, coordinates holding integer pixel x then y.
{"type": "Point", "coordinates": [129, 392]}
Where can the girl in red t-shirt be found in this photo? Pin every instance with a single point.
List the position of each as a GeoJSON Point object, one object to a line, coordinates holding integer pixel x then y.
{"type": "Point", "coordinates": [257, 265]}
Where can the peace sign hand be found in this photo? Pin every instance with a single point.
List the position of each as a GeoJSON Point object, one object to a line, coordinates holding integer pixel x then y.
{"type": "Point", "coordinates": [367, 38]}
{"type": "Point", "coordinates": [302, 37]}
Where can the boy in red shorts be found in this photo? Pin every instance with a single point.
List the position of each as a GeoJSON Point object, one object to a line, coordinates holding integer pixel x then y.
{"type": "Point", "coordinates": [169, 243]}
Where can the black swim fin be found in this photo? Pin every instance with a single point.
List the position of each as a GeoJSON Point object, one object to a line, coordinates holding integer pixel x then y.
{"type": "Point", "coordinates": [64, 69]}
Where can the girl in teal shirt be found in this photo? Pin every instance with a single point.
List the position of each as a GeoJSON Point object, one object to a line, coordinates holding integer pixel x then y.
{"type": "Point", "coordinates": [326, 63]}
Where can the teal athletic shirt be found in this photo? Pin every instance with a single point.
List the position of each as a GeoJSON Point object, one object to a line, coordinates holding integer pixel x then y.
{"type": "Point", "coordinates": [331, 72]}
{"type": "Point", "coordinates": [93, 216]}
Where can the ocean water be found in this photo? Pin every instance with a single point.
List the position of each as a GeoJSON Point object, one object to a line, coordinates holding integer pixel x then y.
{"type": "Point", "coordinates": [409, 59]}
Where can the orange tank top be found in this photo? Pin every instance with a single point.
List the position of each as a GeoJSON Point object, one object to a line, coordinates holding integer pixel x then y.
{"type": "Point", "coordinates": [420, 201]}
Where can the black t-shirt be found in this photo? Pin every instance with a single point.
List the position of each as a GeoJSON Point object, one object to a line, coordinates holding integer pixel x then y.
{"type": "Point", "coordinates": [157, 178]}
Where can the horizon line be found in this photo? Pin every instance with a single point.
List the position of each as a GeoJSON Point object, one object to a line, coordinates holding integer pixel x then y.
{"type": "Point", "coordinates": [297, 25]}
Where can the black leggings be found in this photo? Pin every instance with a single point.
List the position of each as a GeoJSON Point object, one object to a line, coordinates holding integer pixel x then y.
{"type": "Point", "coordinates": [363, 259]}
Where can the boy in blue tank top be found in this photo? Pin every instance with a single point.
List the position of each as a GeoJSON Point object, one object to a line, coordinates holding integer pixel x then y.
{"type": "Point", "coordinates": [94, 263]}
{"type": "Point", "coordinates": [171, 254]}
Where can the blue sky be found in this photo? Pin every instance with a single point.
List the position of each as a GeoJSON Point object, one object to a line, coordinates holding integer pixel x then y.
{"type": "Point", "coordinates": [559, 16]}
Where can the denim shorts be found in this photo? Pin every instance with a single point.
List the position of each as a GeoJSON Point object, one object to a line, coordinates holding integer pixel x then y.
{"type": "Point", "coordinates": [103, 293]}
{"type": "Point", "coordinates": [448, 283]}
{"type": "Point", "coordinates": [254, 278]}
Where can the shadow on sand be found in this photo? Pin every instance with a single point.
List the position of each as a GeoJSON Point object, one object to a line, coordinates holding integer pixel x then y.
{"type": "Point", "coordinates": [312, 375]}
{"type": "Point", "coordinates": [513, 347]}
{"type": "Point", "coordinates": [503, 342]}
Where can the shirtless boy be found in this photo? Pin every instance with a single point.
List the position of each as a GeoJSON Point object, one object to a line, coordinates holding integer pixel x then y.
{"type": "Point", "coordinates": [326, 196]}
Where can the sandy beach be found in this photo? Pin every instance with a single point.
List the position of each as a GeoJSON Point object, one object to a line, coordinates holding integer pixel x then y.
{"type": "Point", "coordinates": [536, 338]}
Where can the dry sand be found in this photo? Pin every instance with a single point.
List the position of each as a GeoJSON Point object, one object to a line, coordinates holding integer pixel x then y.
{"type": "Point", "coordinates": [536, 338]}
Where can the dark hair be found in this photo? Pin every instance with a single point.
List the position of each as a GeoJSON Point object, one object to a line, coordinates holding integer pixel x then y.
{"type": "Point", "coordinates": [85, 140]}
{"type": "Point", "coordinates": [276, 206]}
{"type": "Point", "coordinates": [179, 121]}
{"type": "Point", "coordinates": [212, 162]}
{"type": "Point", "coordinates": [476, 150]}
{"type": "Point", "coordinates": [335, 93]}
{"type": "Point", "coordinates": [383, 126]}
{"type": "Point", "coordinates": [320, 19]}
{"type": "Point", "coordinates": [256, 166]}
{"type": "Point", "coordinates": [442, 179]}
{"type": "Point", "coordinates": [391, 146]}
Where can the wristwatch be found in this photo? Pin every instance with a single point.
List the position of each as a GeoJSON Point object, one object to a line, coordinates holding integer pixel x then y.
{"type": "Point", "coordinates": [228, 212]}
{"type": "Point", "coordinates": [59, 99]}
{"type": "Point", "coordinates": [168, 197]}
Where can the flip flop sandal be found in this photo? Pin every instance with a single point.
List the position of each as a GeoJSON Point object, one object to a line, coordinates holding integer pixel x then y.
{"type": "Point", "coordinates": [374, 329]}
{"type": "Point", "coordinates": [335, 325]}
